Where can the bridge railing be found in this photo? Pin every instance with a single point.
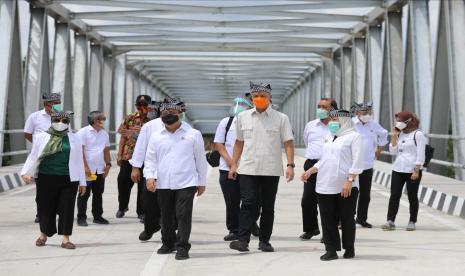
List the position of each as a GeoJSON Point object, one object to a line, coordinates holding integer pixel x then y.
{"type": "Point", "coordinates": [429, 135]}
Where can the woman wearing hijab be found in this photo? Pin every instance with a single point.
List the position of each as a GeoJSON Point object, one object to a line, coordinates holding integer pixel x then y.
{"type": "Point", "coordinates": [337, 184]}
{"type": "Point", "coordinates": [56, 161]}
{"type": "Point", "coordinates": [408, 144]}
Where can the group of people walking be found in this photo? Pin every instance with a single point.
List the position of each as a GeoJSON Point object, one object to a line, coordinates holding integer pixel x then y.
{"type": "Point", "coordinates": [165, 156]}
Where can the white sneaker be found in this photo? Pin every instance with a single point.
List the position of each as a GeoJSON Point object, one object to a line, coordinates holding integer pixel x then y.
{"type": "Point", "coordinates": [411, 226]}
{"type": "Point", "coordinates": [389, 226]}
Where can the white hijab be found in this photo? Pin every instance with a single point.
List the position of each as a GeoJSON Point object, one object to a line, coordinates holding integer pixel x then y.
{"type": "Point", "coordinates": [347, 126]}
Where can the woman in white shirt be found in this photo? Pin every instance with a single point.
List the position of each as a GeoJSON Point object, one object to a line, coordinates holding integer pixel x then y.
{"type": "Point", "coordinates": [56, 161]}
{"type": "Point", "coordinates": [408, 144]}
{"type": "Point", "coordinates": [337, 184]}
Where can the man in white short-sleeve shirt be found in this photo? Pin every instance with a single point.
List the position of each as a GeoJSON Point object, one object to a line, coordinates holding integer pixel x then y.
{"type": "Point", "coordinates": [224, 140]}
{"type": "Point", "coordinates": [97, 163]}
{"type": "Point", "coordinates": [257, 158]}
{"type": "Point", "coordinates": [374, 137]}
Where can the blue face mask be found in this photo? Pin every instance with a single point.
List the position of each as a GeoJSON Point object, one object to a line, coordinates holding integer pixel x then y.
{"type": "Point", "coordinates": [57, 107]}
{"type": "Point", "coordinates": [334, 127]}
{"type": "Point", "coordinates": [322, 113]}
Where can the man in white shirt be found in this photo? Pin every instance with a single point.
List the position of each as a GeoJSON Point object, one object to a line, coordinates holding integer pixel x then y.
{"type": "Point", "coordinates": [261, 133]}
{"type": "Point", "coordinates": [374, 137]}
{"type": "Point", "coordinates": [224, 140]}
{"type": "Point", "coordinates": [40, 121]}
{"type": "Point", "coordinates": [97, 163]}
{"type": "Point", "coordinates": [176, 167]}
{"type": "Point", "coordinates": [314, 134]}
{"type": "Point", "coordinates": [149, 199]}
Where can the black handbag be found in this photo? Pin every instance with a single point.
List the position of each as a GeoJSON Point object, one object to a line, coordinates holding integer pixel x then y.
{"type": "Point", "coordinates": [429, 151]}
{"type": "Point", "coordinates": [213, 157]}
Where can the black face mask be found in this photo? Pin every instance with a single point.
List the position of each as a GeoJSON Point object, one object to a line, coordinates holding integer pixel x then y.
{"type": "Point", "coordinates": [169, 119]}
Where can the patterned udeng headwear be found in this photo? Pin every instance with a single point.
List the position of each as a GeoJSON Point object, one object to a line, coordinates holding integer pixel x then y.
{"type": "Point", "coordinates": [49, 97]}
{"type": "Point", "coordinates": [165, 106]}
{"type": "Point", "coordinates": [61, 114]}
{"type": "Point", "coordinates": [262, 87]}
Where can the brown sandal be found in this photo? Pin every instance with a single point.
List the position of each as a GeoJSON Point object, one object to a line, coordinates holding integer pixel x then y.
{"type": "Point", "coordinates": [68, 245]}
{"type": "Point", "coordinates": [41, 242]}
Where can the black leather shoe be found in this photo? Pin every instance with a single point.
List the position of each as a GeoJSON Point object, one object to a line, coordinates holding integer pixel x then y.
{"type": "Point", "coordinates": [231, 237]}
{"type": "Point", "coordinates": [36, 220]}
{"type": "Point", "coordinates": [255, 230]}
{"type": "Point", "coordinates": [164, 249]}
{"type": "Point", "coordinates": [239, 246]}
{"type": "Point", "coordinates": [145, 236]}
{"type": "Point", "coordinates": [82, 222]}
{"type": "Point", "coordinates": [101, 220]}
{"type": "Point", "coordinates": [265, 247]}
{"type": "Point", "coordinates": [364, 224]}
{"type": "Point", "coordinates": [120, 214]}
{"type": "Point", "coordinates": [349, 254]}
{"type": "Point", "coordinates": [182, 254]}
{"type": "Point", "coordinates": [307, 235]}
{"type": "Point", "coordinates": [329, 256]}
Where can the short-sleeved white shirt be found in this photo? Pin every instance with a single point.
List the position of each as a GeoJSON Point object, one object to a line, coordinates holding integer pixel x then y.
{"type": "Point", "coordinates": [263, 135]}
{"type": "Point", "coordinates": [314, 135]}
{"type": "Point", "coordinates": [94, 142]}
{"type": "Point", "coordinates": [373, 135]}
{"type": "Point", "coordinates": [230, 139]}
{"type": "Point", "coordinates": [37, 122]}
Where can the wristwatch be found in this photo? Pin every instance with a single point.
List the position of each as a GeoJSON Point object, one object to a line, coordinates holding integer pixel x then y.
{"type": "Point", "coordinates": [292, 165]}
{"type": "Point", "coordinates": [350, 179]}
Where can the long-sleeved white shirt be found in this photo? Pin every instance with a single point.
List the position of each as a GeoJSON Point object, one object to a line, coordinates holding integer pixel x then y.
{"type": "Point", "coordinates": [408, 155]}
{"type": "Point", "coordinates": [177, 160]}
{"type": "Point", "coordinates": [138, 156]}
{"type": "Point", "coordinates": [94, 143]}
{"type": "Point", "coordinates": [340, 158]}
{"type": "Point", "coordinates": [314, 135]}
{"type": "Point", "coordinates": [373, 135]}
{"type": "Point", "coordinates": [76, 160]}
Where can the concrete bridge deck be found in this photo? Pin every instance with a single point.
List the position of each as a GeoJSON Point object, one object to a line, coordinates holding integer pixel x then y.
{"type": "Point", "coordinates": [436, 248]}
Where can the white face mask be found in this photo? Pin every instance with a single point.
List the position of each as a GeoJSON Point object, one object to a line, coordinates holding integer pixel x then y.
{"type": "Point", "coordinates": [365, 118]}
{"type": "Point", "coordinates": [59, 126]}
{"type": "Point", "coordinates": [401, 125]}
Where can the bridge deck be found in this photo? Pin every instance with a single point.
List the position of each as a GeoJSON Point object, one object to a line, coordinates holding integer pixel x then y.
{"type": "Point", "coordinates": [437, 248]}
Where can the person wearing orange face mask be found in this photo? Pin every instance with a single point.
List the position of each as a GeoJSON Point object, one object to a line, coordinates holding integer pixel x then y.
{"type": "Point", "coordinates": [257, 158]}
{"type": "Point", "coordinates": [129, 130]}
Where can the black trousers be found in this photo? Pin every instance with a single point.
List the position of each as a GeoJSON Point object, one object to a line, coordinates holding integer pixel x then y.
{"type": "Point", "coordinates": [364, 197]}
{"type": "Point", "coordinates": [97, 187]}
{"type": "Point", "coordinates": [335, 208]}
{"type": "Point", "coordinates": [256, 192]}
{"type": "Point", "coordinates": [309, 201]}
{"type": "Point", "coordinates": [125, 186]}
{"type": "Point", "coordinates": [56, 194]}
{"type": "Point", "coordinates": [397, 184]}
{"type": "Point", "coordinates": [176, 205]}
{"type": "Point", "coordinates": [152, 210]}
{"type": "Point", "coordinates": [232, 198]}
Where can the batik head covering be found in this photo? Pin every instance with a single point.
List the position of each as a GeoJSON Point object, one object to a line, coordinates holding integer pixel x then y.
{"type": "Point", "coordinates": [262, 87]}
{"type": "Point", "coordinates": [61, 114]}
{"type": "Point", "coordinates": [50, 97]}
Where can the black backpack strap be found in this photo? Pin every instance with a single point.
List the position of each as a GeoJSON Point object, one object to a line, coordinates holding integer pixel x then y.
{"type": "Point", "coordinates": [228, 126]}
{"type": "Point", "coordinates": [415, 137]}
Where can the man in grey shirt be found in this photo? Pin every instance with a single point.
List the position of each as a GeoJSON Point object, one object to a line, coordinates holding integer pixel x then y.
{"type": "Point", "coordinates": [257, 159]}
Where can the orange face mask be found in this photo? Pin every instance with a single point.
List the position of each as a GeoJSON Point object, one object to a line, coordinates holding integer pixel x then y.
{"type": "Point", "coordinates": [261, 102]}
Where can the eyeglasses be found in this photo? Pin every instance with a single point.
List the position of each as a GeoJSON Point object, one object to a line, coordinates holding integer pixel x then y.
{"type": "Point", "coordinates": [63, 120]}
{"type": "Point", "coordinates": [102, 119]}
{"type": "Point", "coordinates": [142, 105]}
